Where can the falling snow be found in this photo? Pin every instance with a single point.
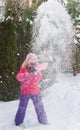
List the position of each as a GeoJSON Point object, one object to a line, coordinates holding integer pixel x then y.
{"type": "Point", "coordinates": [53, 38]}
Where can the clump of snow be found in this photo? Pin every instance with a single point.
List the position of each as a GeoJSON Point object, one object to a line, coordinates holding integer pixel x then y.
{"type": "Point", "coordinates": [52, 38]}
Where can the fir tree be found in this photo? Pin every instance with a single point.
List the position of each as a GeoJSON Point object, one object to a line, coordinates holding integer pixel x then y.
{"type": "Point", "coordinates": [74, 10]}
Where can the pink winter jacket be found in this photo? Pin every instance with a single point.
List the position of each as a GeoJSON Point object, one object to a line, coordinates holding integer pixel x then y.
{"type": "Point", "coordinates": [29, 81]}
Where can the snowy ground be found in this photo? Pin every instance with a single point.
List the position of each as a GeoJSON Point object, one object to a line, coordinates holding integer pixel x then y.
{"type": "Point", "coordinates": [62, 104]}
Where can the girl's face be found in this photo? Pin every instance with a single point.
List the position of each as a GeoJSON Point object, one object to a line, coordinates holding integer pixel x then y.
{"type": "Point", "coordinates": [32, 61]}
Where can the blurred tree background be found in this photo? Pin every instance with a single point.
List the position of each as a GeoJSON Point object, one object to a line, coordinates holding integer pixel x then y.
{"type": "Point", "coordinates": [15, 37]}
{"type": "Point", "coordinates": [73, 8]}
{"type": "Point", "coordinates": [15, 41]}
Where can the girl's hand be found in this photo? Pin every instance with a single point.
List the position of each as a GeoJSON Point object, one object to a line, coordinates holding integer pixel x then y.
{"type": "Point", "coordinates": [28, 63]}
{"type": "Point", "coordinates": [24, 64]}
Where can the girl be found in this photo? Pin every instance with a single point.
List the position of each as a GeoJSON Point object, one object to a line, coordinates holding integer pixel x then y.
{"type": "Point", "coordinates": [30, 78]}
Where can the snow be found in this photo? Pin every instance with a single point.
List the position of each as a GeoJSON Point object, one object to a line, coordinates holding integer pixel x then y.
{"type": "Point", "coordinates": [62, 99]}
{"type": "Point", "coordinates": [78, 35]}
{"type": "Point", "coordinates": [53, 39]}
{"type": "Point", "coordinates": [2, 3]}
{"type": "Point", "coordinates": [62, 104]}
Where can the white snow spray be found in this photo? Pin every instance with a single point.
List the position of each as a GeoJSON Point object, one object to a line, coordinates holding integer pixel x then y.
{"type": "Point", "coordinates": [52, 39]}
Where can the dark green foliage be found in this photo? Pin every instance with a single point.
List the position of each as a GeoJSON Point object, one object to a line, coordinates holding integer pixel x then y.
{"type": "Point", "coordinates": [39, 3]}
{"type": "Point", "coordinates": [76, 63]}
{"type": "Point", "coordinates": [24, 34]}
{"type": "Point", "coordinates": [74, 10]}
{"type": "Point", "coordinates": [15, 43]}
{"type": "Point", "coordinates": [15, 37]}
{"type": "Point", "coordinates": [8, 61]}
{"type": "Point", "coordinates": [14, 10]}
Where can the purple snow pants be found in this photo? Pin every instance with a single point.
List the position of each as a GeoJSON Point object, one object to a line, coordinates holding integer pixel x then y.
{"type": "Point", "coordinates": [39, 108]}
